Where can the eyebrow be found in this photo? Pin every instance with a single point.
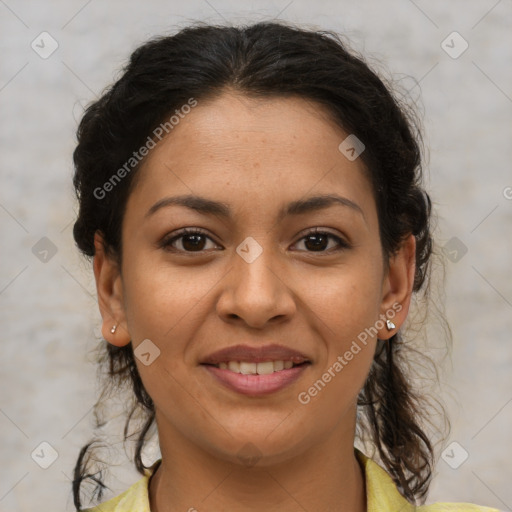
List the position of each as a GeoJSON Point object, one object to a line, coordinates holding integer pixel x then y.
{"type": "Point", "coordinates": [220, 209]}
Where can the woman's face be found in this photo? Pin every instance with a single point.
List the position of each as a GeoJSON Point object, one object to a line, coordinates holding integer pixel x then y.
{"type": "Point", "coordinates": [252, 277]}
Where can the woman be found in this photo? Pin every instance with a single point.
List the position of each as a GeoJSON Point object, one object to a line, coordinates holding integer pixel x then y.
{"type": "Point", "coordinates": [252, 198]}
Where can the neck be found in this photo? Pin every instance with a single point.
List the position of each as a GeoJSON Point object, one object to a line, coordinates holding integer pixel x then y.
{"type": "Point", "coordinates": [320, 479]}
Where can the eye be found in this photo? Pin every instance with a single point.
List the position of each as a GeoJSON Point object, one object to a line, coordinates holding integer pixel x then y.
{"type": "Point", "coordinates": [317, 241]}
{"type": "Point", "coordinates": [190, 239]}
{"type": "Point", "coordinates": [194, 240]}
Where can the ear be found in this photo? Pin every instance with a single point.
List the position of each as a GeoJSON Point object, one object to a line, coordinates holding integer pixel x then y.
{"type": "Point", "coordinates": [109, 287]}
{"type": "Point", "coordinates": [397, 287]}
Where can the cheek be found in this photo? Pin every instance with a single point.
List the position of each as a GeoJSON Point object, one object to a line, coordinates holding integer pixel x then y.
{"type": "Point", "coordinates": [348, 305]}
{"type": "Point", "coordinates": [158, 297]}
{"type": "Point", "coordinates": [164, 305]}
{"type": "Point", "coordinates": [348, 309]}
{"type": "Point", "coordinates": [347, 299]}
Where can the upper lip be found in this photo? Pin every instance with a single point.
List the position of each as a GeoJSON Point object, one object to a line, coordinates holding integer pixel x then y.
{"type": "Point", "coordinates": [255, 354]}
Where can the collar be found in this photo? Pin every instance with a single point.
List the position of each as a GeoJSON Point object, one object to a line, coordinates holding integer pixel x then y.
{"type": "Point", "coordinates": [381, 492]}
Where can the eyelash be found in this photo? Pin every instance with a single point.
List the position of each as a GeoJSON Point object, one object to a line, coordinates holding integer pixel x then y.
{"type": "Point", "coordinates": [166, 243]}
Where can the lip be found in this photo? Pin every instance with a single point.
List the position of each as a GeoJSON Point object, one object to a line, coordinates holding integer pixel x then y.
{"type": "Point", "coordinates": [256, 385]}
{"type": "Point", "coordinates": [256, 355]}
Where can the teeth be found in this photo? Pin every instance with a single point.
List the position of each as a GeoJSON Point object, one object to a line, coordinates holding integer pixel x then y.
{"type": "Point", "coordinates": [265, 368]}
{"type": "Point", "coordinates": [278, 365]}
{"type": "Point", "coordinates": [248, 368]}
{"type": "Point", "coordinates": [234, 366]}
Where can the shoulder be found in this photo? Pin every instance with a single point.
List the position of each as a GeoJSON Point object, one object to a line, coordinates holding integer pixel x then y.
{"type": "Point", "coordinates": [135, 498]}
{"type": "Point", "coordinates": [383, 495]}
{"type": "Point", "coordinates": [455, 507]}
{"type": "Point", "coordinates": [110, 505]}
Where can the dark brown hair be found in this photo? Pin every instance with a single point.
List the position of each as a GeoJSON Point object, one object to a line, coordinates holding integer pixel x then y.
{"type": "Point", "coordinates": [267, 60]}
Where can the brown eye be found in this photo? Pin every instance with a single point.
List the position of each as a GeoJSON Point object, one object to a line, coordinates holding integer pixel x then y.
{"type": "Point", "coordinates": [190, 240]}
{"type": "Point", "coordinates": [194, 240]}
{"type": "Point", "coordinates": [318, 241]}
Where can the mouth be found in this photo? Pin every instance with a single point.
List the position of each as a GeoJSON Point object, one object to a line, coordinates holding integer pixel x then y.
{"type": "Point", "coordinates": [259, 368]}
{"type": "Point", "coordinates": [256, 379]}
{"type": "Point", "coordinates": [256, 370]}
{"type": "Point", "coordinates": [246, 355]}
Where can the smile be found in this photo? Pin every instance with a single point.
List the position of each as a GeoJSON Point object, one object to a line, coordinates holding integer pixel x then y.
{"type": "Point", "coordinates": [250, 368]}
{"type": "Point", "coordinates": [256, 379]}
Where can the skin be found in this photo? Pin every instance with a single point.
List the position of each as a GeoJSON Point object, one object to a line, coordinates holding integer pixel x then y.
{"type": "Point", "coordinates": [255, 155]}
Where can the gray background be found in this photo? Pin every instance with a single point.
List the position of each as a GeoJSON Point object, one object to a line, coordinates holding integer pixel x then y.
{"type": "Point", "coordinates": [48, 309]}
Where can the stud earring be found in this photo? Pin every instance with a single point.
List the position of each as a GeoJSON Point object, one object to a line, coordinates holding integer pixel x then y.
{"type": "Point", "coordinates": [113, 330]}
{"type": "Point", "coordinates": [390, 325]}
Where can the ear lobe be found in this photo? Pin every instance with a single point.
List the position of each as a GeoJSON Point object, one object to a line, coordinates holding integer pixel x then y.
{"type": "Point", "coordinates": [397, 287]}
{"type": "Point", "coordinates": [110, 294]}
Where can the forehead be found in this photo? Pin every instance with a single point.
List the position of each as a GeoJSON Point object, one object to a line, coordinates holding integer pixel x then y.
{"type": "Point", "coordinates": [258, 151]}
{"type": "Point", "coordinates": [233, 124]}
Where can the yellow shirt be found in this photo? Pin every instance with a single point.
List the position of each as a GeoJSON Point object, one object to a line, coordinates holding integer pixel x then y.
{"type": "Point", "coordinates": [381, 495]}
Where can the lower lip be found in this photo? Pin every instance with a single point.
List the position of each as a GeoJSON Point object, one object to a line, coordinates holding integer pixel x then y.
{"type": "Point", "coordinates": [256, 385]}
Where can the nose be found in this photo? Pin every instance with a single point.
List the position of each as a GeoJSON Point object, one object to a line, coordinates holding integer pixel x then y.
{"type": "Point", "coordinates": [256, 291]}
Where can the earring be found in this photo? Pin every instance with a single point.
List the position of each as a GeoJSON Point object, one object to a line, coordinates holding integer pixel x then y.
{"type": "Point", "coordinates": [113, 330]}
{"type": "Point", "coordinates": [390, 325]}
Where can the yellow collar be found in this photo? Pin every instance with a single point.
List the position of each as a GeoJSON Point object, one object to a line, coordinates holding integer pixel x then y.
{"type": "Point", "coordinates": [381, 492]}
